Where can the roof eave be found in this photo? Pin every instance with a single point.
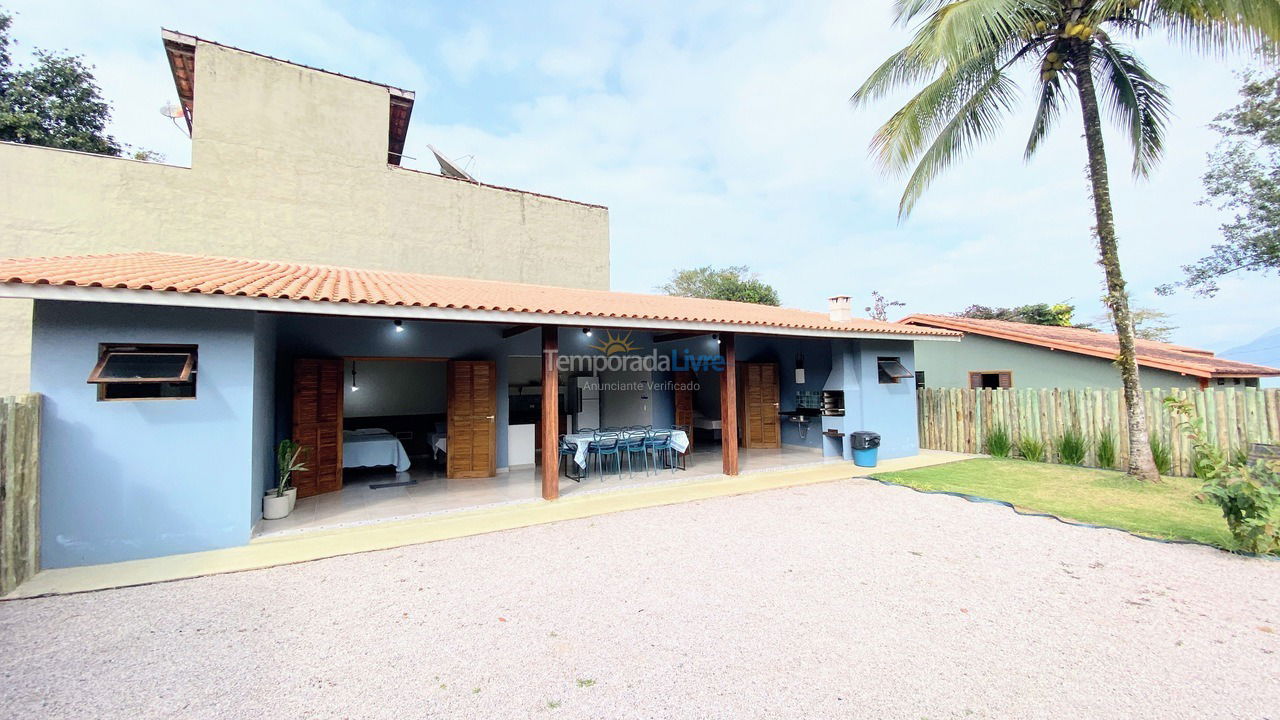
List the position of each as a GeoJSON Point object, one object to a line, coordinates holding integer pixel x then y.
{"type": "Point", "coordinates": [171, 298]}
{"type": "Point", "coordinates": [1080, 349]}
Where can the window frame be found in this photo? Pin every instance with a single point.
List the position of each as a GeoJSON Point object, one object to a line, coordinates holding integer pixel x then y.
{"type": "Point", "coordinates": [881, 373]}
{"type": "Point", "coordinates": [105, 354]}
{"type": "Point", "coordinates": [187, 377]}
{"type": "Point", "coordinates": [997, 373]}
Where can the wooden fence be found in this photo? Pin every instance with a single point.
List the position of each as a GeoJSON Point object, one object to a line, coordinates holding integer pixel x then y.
{"type": "Point", "coordinates": [19, 490]}
{"type": "Point", "coordinates": [959, 419]}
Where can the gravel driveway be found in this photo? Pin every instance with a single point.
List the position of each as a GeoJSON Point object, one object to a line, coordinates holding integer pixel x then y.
{"type": "Point", "coordinates": [844, 599]}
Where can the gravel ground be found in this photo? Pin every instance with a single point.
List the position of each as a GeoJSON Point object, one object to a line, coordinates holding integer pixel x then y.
{"type": "Point", "coordinates": [843, 599]}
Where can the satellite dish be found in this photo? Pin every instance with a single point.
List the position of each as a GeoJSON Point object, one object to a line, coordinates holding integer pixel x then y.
{"type": "Point", "coordinates": [173, 111]}
{"type": "Point", "coordinates": [447, 168]}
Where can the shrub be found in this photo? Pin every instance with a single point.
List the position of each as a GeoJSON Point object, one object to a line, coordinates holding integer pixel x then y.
{"type": "Point", "coordinates": [1106, 447]}
{"type": "Point", "coordinates": [1031, 448]}
{"type": "Point", "coordinates": [1248, 495]}
{"type": "Point", "coordinates": [1072, 446]}
{"type": "Point", "coordinates": [1161, 454]}
{"type": "Point", "coordinates": [1206, 461]}
{"type": "Point", "coordinates": [999, 444]}
{"type": "Point", "coordinates": [1240, 456]}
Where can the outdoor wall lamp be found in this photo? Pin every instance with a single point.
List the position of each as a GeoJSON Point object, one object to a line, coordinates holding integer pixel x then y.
{"type": "Point", "coordinates": [399, 326]}
{"type": "Point", "coordinates": [586, 331]}
{"type": "Point", "coordinates": [354, 386]}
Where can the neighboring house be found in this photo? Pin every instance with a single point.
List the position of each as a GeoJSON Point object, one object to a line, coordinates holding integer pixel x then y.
{"type": "Point", "coordinates": [292, 163]}
{"type": "Point", "coordinates": [996, 353]}
{"type": "Point", "coordinates": [169, 378]}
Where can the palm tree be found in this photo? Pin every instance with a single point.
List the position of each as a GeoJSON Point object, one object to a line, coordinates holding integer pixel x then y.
{"type": "Point", "coordinates": [965, 51]}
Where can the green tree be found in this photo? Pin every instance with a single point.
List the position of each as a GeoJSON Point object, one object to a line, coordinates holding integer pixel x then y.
{"type": "Point", "coordinates": [965, 52]}
{"type": "Point", "coordinates": [1059, 314]}
{"type": "Point", "coordinates": [1243, 178]}
{"type": "Point", "coordinates": [55, 102]}
{"type": "Point", "coordinates": [735, 282]}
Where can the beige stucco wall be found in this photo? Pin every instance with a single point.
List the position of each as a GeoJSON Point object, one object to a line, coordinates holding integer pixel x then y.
{"type": "Point", "coordinates": [288, 163]}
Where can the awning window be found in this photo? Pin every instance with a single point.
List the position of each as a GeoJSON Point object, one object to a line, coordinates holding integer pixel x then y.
{"type": "Point", "coordinates": [118, 365]}
{"type": "Point", "coordinates": [892, 370]}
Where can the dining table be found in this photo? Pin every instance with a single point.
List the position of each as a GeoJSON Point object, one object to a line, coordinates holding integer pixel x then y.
{"type": "Point", "coordinates": [580, 442]}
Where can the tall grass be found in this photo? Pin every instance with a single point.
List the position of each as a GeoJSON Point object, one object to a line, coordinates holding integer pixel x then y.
{"type": "Point", "coordinates": [999, 444]}
{"type": "Point", "coordinates": [1072, 446]}
{"type": "Point", "coordinates": [1031, 448]}
{"type": "Point", "coordinates": [1106, 447]}
{"type": "Point", "coordinates": [1162, 454]}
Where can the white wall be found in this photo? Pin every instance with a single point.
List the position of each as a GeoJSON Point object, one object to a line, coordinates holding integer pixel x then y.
{"type": "Point", "coordinates": [395, 387]}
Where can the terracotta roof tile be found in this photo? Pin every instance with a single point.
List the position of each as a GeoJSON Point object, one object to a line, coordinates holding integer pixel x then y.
{"type": "Point", "coordinates": [1163, 356]}
{"type": "Point", "coordinates": [152, 271]}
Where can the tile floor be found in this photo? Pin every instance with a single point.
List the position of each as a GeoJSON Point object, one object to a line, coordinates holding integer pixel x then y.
{"type": "Point", "coordinates": [358, 503]}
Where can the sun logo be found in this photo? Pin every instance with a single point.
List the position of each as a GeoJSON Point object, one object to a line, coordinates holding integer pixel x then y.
{"type": "Point", "coordinates": [613, 344]}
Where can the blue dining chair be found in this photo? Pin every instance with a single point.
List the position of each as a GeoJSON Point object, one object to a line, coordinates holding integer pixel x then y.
{"type": "Point", "coordinates": [606, 445]}
{"type": "Point", "coordinates": [633, 443]}
{"type": "Point", "coordinates": [568, 456]}
{"type": "Point", "coordinates": [658, 443]}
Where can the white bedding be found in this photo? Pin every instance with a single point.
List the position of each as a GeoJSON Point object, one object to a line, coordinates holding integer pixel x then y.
{"type": "Point", "coordinates": [373, 447]}
{"type": "Point", "coordinates": [706, 423]}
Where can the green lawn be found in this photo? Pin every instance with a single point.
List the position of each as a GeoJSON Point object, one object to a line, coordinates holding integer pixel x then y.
{"type": "Point", "coordinates": [1102, 497]}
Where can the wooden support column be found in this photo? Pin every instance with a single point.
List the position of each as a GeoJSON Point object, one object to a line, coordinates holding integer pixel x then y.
{"type": "Point", "coordinates": [550, 413]}
{"type": "Point", "coordinates": [729, 405]}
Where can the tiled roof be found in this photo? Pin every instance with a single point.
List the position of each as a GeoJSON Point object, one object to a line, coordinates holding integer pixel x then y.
{"type": "Point", "coordinates": [167, 272]}
{"type": "Point", "coordinates": [1163, 356]}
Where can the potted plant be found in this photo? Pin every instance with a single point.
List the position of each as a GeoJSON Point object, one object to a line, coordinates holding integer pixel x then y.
{"type": "Point", "coordinates": [279, 502]}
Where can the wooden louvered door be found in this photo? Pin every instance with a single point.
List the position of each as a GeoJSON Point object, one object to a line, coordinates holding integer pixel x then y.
{"type": "Point", "coordinates": [684, 404]}
{"type": "Point", "coordinates": [317, 424]}
{"type": "Point", "coordinates": [473, 430]}
{"type": "Point", "coordinates": [758, 401]}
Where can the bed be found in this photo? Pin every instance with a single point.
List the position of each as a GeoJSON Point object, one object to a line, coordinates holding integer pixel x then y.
{"type": "Point", "coordinates": [373, 447]}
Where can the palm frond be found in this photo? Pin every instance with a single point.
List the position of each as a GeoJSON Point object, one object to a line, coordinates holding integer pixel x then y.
{"type": "Point", "coordinates": [898, 142]}
{"type": "Point", "coordinates": [957, 32]}
{"type": "Point", "coordinates": [903, 68]}
{"type": "Point", "coordinates": [966, 28]}
{"type": "Point", "coordinates": [976, 119]}
{"type": "Point", "coordinates": [1217, 25]}
{"type": "Point", "coordinates": [1048, 109]}
{"type": "Point", "coordinates": [1135, 99]}
{"type": "Point", "coordinates": [904, 11]}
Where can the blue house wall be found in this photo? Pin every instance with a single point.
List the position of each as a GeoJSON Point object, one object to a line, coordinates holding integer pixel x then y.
{"type": "Point", "coordinates": [887, 408]}
{"type": "Point", "coordinates": [123, 480]}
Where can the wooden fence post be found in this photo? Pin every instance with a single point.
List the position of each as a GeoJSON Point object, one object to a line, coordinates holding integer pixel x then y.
{"type": "Point", "coordinates": [959, 419]}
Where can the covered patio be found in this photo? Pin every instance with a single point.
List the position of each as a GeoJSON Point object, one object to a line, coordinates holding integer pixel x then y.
{"type": "Point", "coordinates": [412, 395]}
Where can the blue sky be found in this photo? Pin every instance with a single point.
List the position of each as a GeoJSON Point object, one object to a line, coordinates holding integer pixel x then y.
{"type": "Point", "coordinates": [720, 133]}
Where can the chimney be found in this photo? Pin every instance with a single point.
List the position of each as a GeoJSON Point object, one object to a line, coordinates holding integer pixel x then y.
{"type": "Point", "coordinates": [839, 308]}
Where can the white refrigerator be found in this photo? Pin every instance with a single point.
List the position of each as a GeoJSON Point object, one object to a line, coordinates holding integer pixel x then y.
{"type": "Point", "coordinates": [588, 403]}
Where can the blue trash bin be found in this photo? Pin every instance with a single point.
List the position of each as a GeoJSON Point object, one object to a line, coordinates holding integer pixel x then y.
{"type": "Point", "coordinates": [865, 446]}
{"type": "Point", "coordinates": [865, 458]}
